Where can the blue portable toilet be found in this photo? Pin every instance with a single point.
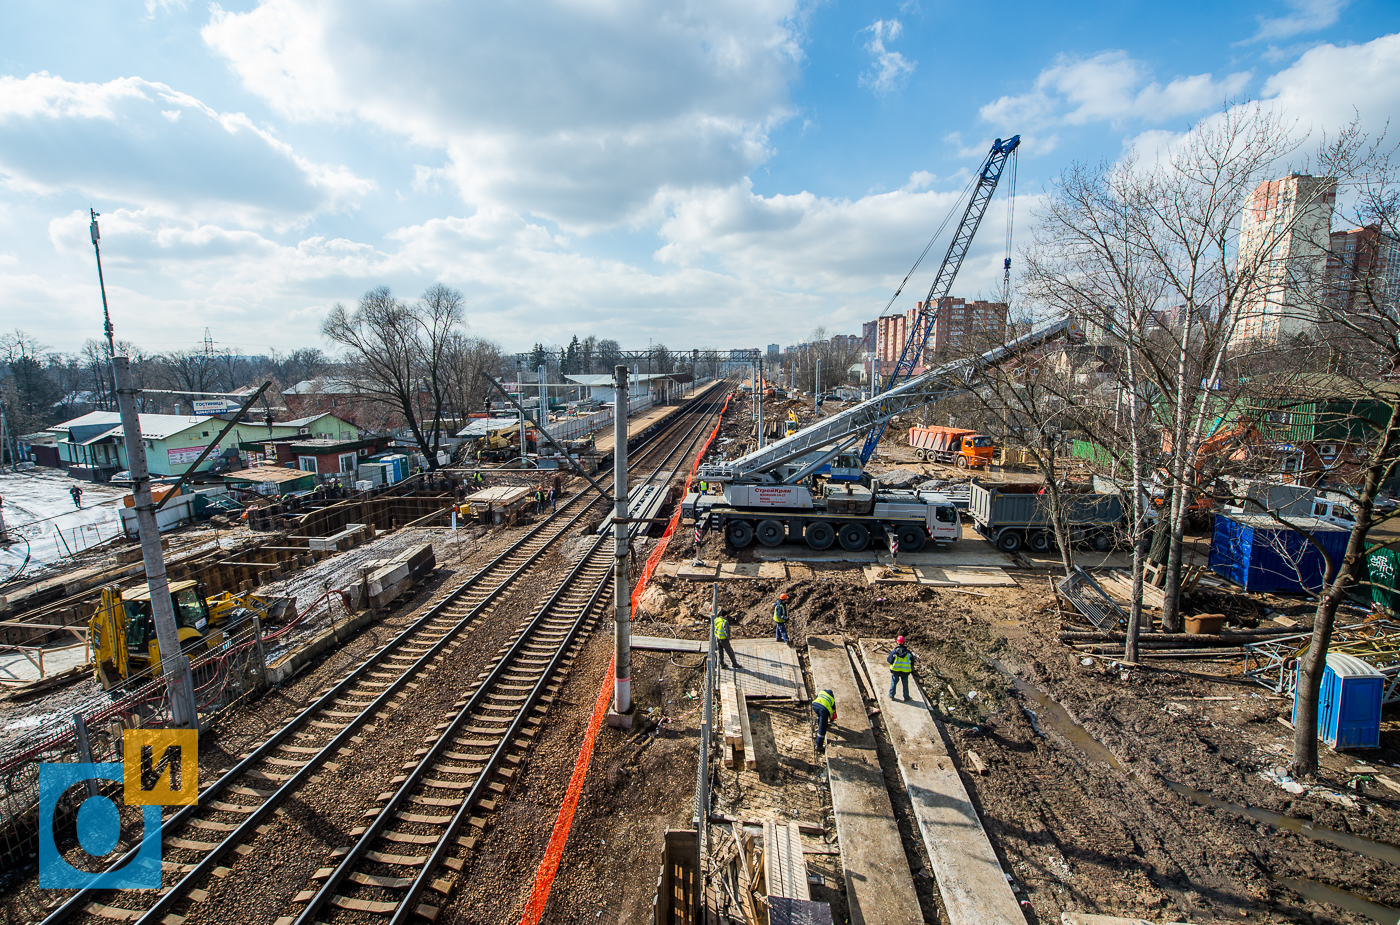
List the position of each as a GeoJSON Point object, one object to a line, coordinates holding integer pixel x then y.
{"type": "Point", "coordinates": [1349, 703]}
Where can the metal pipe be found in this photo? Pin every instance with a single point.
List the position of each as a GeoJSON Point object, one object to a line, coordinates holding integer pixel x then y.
{"type": "Point", "coordinates": [759, 400]}
{"type": "Point", "coordinates": [622, 583]}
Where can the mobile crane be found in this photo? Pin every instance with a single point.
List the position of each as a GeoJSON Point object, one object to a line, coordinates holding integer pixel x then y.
{"type": "Point", "coordinates": [764, 492]}
{"type": "Point", "coordinates": [768, 494]}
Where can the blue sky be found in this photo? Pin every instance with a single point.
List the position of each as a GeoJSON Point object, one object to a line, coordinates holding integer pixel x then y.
{"type": "Point", "coordinates": [722, 173]}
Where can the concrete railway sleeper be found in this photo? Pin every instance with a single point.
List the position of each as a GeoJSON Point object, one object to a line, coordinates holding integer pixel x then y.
{"type": "Point", "coordinates": [336, 717]}
{"type": "Point", "coordinates": [281, 768]}
{"type": "Point", "coordinates": [465, 771]}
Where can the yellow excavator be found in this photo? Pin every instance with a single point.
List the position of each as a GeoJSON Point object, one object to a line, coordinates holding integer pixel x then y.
{"type": "Point", "coordinates": [122, 632]}
{"type": "Point", "coordinates": [791, 425]}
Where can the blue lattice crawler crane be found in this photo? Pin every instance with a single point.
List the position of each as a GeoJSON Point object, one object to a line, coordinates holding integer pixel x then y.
{"type": "Point", "coordinates": [1349, 703]}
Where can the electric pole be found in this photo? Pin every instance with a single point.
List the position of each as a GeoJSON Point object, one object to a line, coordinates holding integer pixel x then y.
{"type": "Point", "coordinates": [176, 667]}
{"type": "Point", "coordinates": [622, 581]}
{"type": "Point", "coordinates": [107, 329]}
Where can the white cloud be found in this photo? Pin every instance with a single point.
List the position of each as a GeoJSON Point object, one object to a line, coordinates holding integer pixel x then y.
{"type": "Point", "coordinates": [578, 112]}
{"type": "Point", "coordinates": [1110, 86]}
{"type": "Point", "coordinates": [1329, 84]}
{"type": "Point", "coordinates": [1306, 16]}
{"type": "Point", "coordinates": [890, 70]}
{"type": "Point", "coordinates": [819, 245]}
{"type": "Point", "coordinates": [143, 143]}
{"type": "Point", "coordinates": [1324, 90]}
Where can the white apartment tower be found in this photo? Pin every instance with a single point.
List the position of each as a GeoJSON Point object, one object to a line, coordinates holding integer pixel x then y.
{"type": "Point", "coordinates": [1284, 237]}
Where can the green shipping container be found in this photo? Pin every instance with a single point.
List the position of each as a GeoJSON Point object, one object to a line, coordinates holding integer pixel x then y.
{"type": "Point", "coordinates": [1382, 568]}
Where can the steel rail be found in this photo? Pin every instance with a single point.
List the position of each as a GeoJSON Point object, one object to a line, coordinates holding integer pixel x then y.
{"type": "Point", "coordinates": [176, 891]}
{"type": "Point", "coordinates": [247, 764]}
{"type": "Point", "coordinates": [406, 906]}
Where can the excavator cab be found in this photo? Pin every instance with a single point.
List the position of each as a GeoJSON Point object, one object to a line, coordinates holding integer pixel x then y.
{"type": "Point", "coordinates": [122, 632]}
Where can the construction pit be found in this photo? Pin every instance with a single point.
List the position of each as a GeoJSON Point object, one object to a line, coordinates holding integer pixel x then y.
{"type": "Point", "coordinates": [1146, 792]}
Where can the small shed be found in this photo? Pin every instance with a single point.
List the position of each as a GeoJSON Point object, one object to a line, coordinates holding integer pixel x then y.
{"type": "Point", "coordinates": [1258, 553]}
{"type": "Point", "coordinates": [271, 480]}
{"type": "Point", "coordinates": [1348, 703]}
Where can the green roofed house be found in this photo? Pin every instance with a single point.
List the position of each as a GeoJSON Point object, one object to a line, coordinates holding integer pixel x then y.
{"type": "Point", "coordinates": [93, 446]}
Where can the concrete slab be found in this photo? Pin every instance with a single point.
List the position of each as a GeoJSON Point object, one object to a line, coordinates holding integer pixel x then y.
{"type": "Point", "coordinates": [767, 670]}
{"type": "Point", "coordinates": [938, 577]}
{"type": "Point", "coordinates": [970, 879]}
{"type": "Point", "coordinates": [739, 570]}
{"type": "Point", "coordinates": [879, 887]}
{"type": "Point", "coordinates": [692, 572]}
{"type": "Point", "coordinates": [969, 576]}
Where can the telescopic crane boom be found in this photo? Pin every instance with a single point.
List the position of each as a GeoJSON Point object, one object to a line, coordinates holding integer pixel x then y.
{"type": "Point", "coordinates": [987, 179]}
{"type": "Point", "coordinates": [833, 435]}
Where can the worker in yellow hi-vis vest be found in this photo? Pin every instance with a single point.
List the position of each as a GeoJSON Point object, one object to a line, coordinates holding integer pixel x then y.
{"type": "Point", "coordinates": [901, 661]}
{"type": "Point", "coordinates": [722, 643]}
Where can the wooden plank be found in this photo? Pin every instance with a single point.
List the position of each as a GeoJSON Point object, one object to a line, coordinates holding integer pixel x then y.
{"type": "Point", "coordinates": [667, 644]}
{"type": "Point", "coordinates": [750, 761]}
{"type": "Point", "coordinates": [970, 879]}
{"type": "Point", "coordinates": [729, 710]}
{"type": "Point", "coordinates": [879, 885]}
{"type": "Point", "coordinates": [784, 866]}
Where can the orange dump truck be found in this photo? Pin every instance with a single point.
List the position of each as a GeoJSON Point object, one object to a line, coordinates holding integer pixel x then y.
{"type": "Point", "coordinates": [963, 448]}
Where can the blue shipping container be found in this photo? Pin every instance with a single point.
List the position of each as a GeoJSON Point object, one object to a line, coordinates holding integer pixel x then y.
{"type": "Point", "coordinates": [1259, 554]}
{"type": "Point", "coordinates": [1348, 703]}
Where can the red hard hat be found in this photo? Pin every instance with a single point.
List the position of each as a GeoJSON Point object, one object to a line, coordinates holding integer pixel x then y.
{"type": "Point", "coordinates": [899, 639]}
{"type": "Point", "coordinates": [782, 597]}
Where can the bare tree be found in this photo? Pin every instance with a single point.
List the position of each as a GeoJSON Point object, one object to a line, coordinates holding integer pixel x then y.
{"type": "Point", "coordinates": [399, 354]}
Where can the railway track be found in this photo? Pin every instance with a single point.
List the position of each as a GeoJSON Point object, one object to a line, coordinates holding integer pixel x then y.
{"type": "Point", "coordinates": [511, 692]}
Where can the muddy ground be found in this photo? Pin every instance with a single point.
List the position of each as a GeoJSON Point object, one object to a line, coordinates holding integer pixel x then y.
{"type": "Point", "coordinates": [1077, 802]}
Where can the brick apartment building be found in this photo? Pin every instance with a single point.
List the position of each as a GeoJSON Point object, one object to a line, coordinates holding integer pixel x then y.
{"type": "Point", "coordinates": [957, 325]}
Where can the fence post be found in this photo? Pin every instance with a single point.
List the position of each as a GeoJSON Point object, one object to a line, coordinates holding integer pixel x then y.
{"type": "Point", "coordinates": [84, 748]}
{"type": "Point", "coordinates": [258, 647]}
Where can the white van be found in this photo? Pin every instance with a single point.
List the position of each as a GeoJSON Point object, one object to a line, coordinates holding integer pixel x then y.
{"type": "Point", "coordinates": [1334, 512]}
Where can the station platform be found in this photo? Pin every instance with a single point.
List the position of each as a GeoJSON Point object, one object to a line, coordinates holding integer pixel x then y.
{"type": "Point", "coordinates": [879, 886]}
{"type": "Point", "coordinates": [970, 879]}
{"type": "Point", "coordinates": [652, 416]}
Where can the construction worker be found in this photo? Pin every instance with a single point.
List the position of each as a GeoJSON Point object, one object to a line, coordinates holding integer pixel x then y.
{"type": "Point", "coordinates": [539, 500]}
{"type": "Point", "coordinates": [824, 705]}
{"type": "Point", "coordinates": [901, 661]}
{"type": "Point", "coordinates": [780, 617]}
{"type": "Point", "coordinates": [704, 487]}
{"type": "Point", "coordinates": [723, 645]}
{"type": "Point", "coordinates": [553, 498]}
{"type": "Point", "coordinates": [479, 479]}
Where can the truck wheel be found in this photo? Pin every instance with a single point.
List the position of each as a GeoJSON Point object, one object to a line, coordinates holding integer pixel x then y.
{"type": "Point", "coordinates": [1101, 542]}
{"type": "Point", "coordinates": [962, 461]}
{"type": "Point", "coordinates": [920, 455]}
{"type": "Point", "coordinates": [770, 532]}
{"type": "Point", "coordinates": [739, 533]}
{"type": "Point", "coordinates": [911, 539]}
{"type": "Point", "coordinates": [1008, 541]}
{"type": "Point", "coordinates": [1039, 541]}
{"type": "Point", "coordinates": [854, 537]}
{"type": "Point", "coordinates": [820, 535]}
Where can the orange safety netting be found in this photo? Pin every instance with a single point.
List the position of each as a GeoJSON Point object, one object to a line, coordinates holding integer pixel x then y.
{"type": "Point", "coordinates": [563, 823]}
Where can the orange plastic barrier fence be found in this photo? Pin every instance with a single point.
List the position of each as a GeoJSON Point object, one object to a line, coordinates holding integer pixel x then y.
{"type": "Point", "coordinates": [559, 838]}
{"type": "Point", "coordinates": [564, 822]}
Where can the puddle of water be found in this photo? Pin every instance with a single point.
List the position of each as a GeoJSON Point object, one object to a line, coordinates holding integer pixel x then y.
{"type": "Point", "coordinates": [1321, 893]}
{"type": "Point", "coordinates": [1058, 717]}
{"type": "Point", "coordinates": [1064, 725]}
{"type": "Point", "coordinates": [1372, 849]}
